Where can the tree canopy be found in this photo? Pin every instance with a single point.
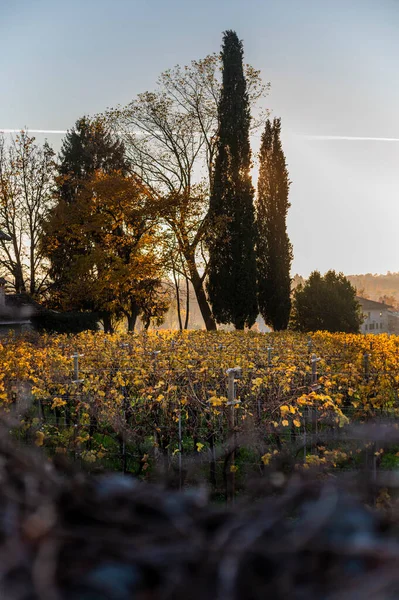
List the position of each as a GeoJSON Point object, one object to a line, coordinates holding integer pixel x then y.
{"type": "Point", "coordinates": [88, 147]}
{"type": "Point", "coordinates": [326, 303]}
{"type": "Point", "coordinates": [116, 268]}
{"type": "Point", "coordinates": [274, 250]}
{"type": "Point", "coordinates": [232, 263]}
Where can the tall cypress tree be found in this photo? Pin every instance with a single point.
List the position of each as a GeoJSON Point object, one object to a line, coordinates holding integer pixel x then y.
{"type": "Point", "coordinates": [232, 260]}
{"type": "Point", "coordinates": [274, 250]}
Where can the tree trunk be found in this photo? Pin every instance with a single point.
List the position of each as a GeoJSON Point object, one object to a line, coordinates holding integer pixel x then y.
{"type": "Point", "coordinates": [32, 284]}
{"type": "Point", "coordinates": [131, 322]}
{"type": "Point", "coordinates": [187, 303]}
{"type": "Point", "coordinates": [106, 317]}
{"type": "Point", "coordinates": [18, 270]}
{"type": "Point", "coordinates": [132, 316]}
{"type": "Point", "coordinates": [198, 286]}
{"type": "Point", "coordinates": [176, 280]}
{"type": "Point", "coordinates": [19, 281]}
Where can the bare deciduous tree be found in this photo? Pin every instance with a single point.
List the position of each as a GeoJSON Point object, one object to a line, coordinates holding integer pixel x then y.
{"type": "Point", "coordinates": [170, 137]}
{"type": "Point", "coordinates": [26, 180]}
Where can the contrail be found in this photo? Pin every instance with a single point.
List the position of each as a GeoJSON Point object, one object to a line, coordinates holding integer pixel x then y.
{"type": "Point", "coordinates": [349, 138]}
{"type": "Point", "coordinates": [59, 131]}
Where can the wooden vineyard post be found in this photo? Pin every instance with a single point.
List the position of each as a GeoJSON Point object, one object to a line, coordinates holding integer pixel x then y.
{"type": "Point", "coordinates": [269, 365]}
{"type": "Point", "coordinates": [314, 370]}
{"type": "Point", "coordinates": [124, 427]}
{"type": "Point", "coordinates": [180, 449]}
{"type": "Point", "coordinates": [76, 357]}
{"type": "Point", "coordinates": [211, 439]}
{"type": "Point", "coordinates": [366, 366]}
{"type": "Point", "coordinates": [76, 381]}
{"type": "Point", "coordinates": [159, 449]}
{"type": "Point", "coordinates": [304, 437]}
{"type": "Point", "coordinates": [269, 356]}
{"type": "Point", "coordinates": [232, 375]}
{"type": "Point", "coordinates": [315, 388]}
{"type": "Point", "coordinates": [180, 434]}
{"type": "Point", "coordinates": [40, 409]}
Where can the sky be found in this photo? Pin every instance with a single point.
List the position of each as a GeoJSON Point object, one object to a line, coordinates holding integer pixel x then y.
{"type": "Point", "coordinates": [333, 70]}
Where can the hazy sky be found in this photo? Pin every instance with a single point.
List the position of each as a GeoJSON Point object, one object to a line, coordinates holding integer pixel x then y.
{"type": "Point", "coordinates": [333, 66]}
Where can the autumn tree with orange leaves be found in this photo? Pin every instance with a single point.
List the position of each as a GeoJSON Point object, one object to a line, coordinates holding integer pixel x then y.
{"type": "Point", "coordinates": [117, 268]}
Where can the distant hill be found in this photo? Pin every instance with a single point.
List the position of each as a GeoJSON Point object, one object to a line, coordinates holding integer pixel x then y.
{"type": "Point", "coordinates": [383, 288]}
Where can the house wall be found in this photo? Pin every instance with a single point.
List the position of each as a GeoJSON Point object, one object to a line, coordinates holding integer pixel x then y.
{"type": "Point", "coordinates": [375, 321]}
{"type": "Point", "coordinates": [393, 322]}
{"type": "Point", "coordinates": [261, 326]}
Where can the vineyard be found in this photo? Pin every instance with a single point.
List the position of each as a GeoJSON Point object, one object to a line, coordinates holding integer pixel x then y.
{"type": "Point", "coordinates": [219, 406]}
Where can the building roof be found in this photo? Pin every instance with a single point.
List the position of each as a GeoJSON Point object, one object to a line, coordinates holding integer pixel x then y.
{"type": "Point", "coordinates": [367, 304]}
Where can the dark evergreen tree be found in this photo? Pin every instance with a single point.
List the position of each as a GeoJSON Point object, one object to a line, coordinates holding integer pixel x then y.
{"type": "Point", "coordinates": [274, 250]}
{"type": "Point", "coordinates": [326, 303]}
{"type": "Point", "coordinates": [232, 261]}
{"type": "Point", "coordinates": [87, 148]}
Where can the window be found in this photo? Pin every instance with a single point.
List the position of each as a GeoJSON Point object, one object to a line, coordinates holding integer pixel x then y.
{"type": "Point", "coordinates": [371, 326]}
{"type": "Point", "coordinates": [366, 327]}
